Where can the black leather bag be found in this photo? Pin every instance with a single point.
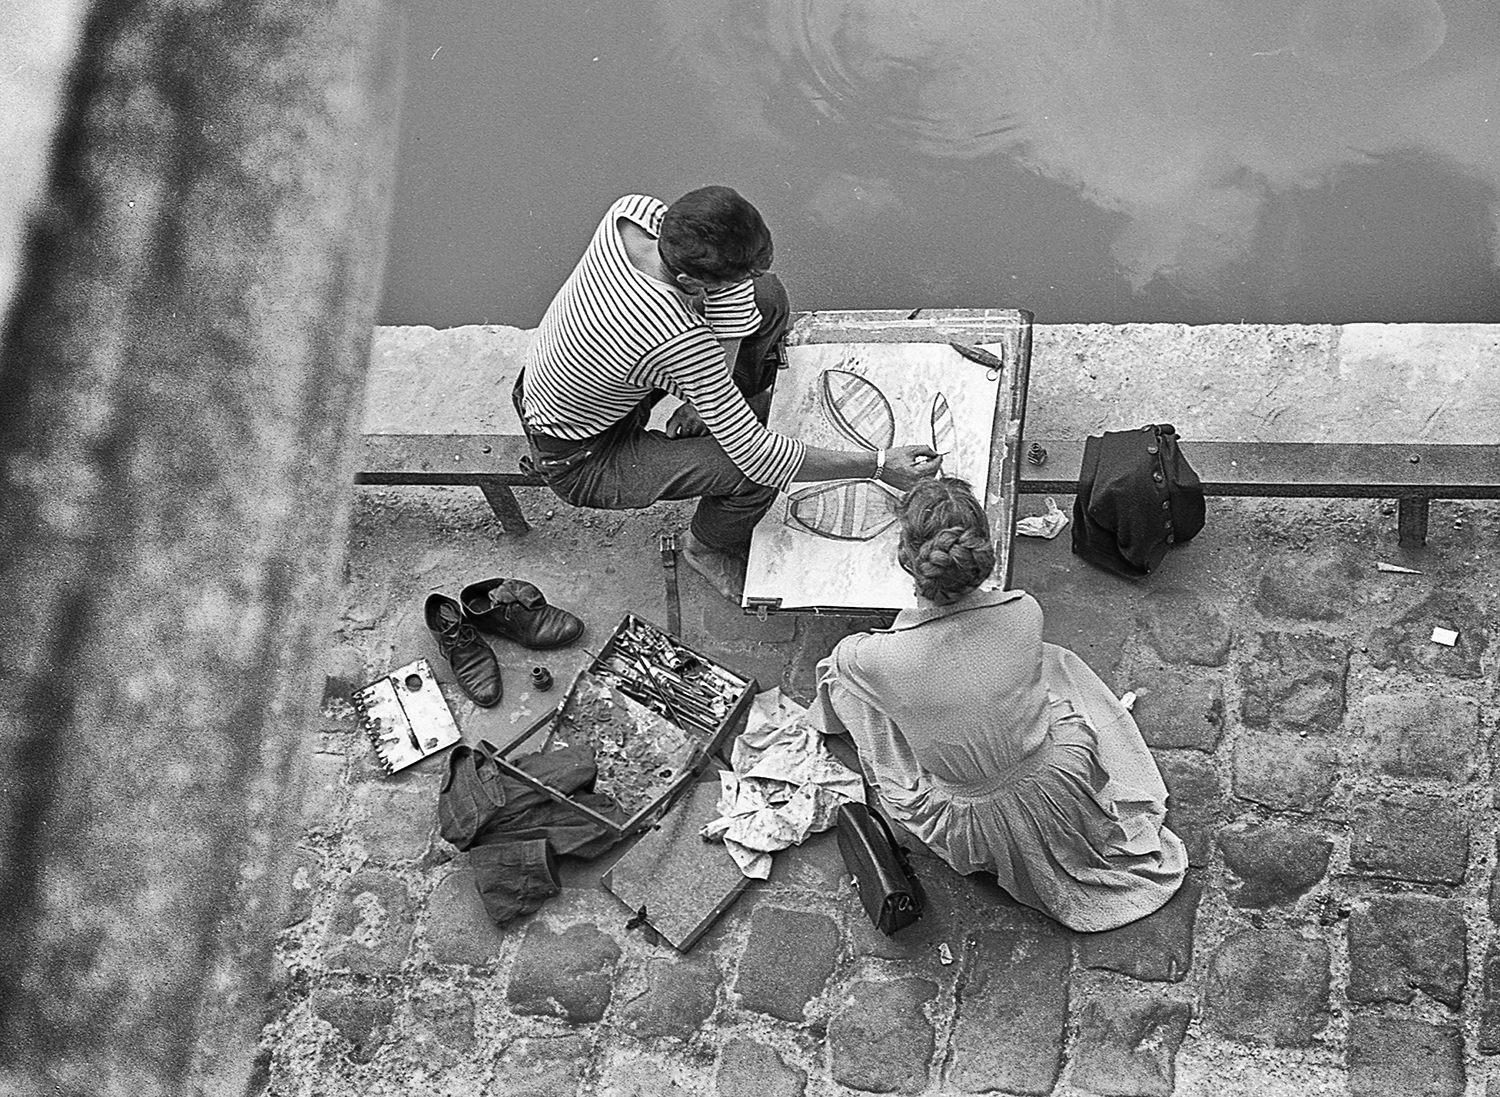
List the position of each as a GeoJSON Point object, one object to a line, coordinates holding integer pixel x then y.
{"type": "Point", "coordinates": [1137, 497]}
{"type": "Point", "coordinates": [889, 889]}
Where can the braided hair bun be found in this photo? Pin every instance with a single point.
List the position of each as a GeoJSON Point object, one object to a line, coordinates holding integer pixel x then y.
{"type": "Point", "coordinates": [945, 539]}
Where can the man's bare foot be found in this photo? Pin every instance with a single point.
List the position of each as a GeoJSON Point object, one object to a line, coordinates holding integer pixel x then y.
{"type": "Point", "coordinates": [724, 571]}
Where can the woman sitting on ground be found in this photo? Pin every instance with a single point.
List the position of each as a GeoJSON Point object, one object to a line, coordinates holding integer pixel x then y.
{"type": "Point", "coordinates": [998, 752]}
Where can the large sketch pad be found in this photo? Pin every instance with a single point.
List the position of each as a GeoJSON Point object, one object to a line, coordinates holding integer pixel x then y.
{"type": "Point", "coordinates": [794, 567]}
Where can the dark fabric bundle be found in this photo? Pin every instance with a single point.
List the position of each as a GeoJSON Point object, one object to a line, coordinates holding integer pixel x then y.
{"type": "Point", "coordinates": [888, 888]}
{"type": "Point", "coordinates": [1137, 497]}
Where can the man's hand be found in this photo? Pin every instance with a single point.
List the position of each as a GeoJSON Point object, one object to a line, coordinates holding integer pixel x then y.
{"type": "Point", "coordinates": [686, 423]}
{"type": "Point", "coordinates": [905, 465]}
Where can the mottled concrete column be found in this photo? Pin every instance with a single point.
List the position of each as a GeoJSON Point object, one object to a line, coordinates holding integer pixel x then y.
{"type": "Point", "coordinates": [180, 381]}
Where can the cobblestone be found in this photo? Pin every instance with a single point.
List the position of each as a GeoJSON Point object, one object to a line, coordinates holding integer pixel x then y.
{"type": "Point", "coordinates": [395, 822]}
{"type": "Point", "coordinates": [1307, 586]}
{"type": "Point", "coordinates": [1272, 864]}
{"type": "Point", "coordinates": [1389, 1055]}
{"type": "Point", "coordinates": [1179, 710]}
{"type": "Point", "coordinates": [541, 1066]}
{"type": "Point", "coordinates": [787, 961]}
{"type": "Point", "coordinates": [566, 975]}
{"type": "Point", "coordinates": [1294, 681]}
{"type": "Point", "coordinates": [1399, 944]}
{"type": "Point", "coordinates": [1489, 1005]}
{"type": "Point", "coordinates": [370, 929]}
{"type": "Point", "coordinates": [459, 930]}
{"type": "Point", "coordinates": [751, 1069]}
{"type": "Point", "coordinates": [1183, 627]}
{"type": "Point", "coordinates": [1158, 947]}
{"type": "Point", "coordinates": [882, 1041]}
{"type": "Point", "coordinates": [361, 1017]}
{"type": "Point", "coordinates": [677, 999]}
{"type": "Point", "coordinates": [1195, 800]}
{"type": "Point", "coordinates": [1285, 771]}
{"type": "Point", "coordinates": [1268, 986]}
{"type": "Point", "coordinates": [1406, 642]}
{"type": "Point", "coordinates": [449, 1013]}
{"type": "Point", "coordinates": [1015, 982]}
{"type": "Point", "coordinates": [1419, 735]}
{"type": "Point", "coordinates": [1410, 836]}
{"type": "Point", "coordinates": [1127, 1045]}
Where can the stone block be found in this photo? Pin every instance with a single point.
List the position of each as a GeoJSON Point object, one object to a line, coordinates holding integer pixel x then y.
{"type": "Point", "coordinates": [1422, 735]}
{"type": "Point", "coordinates": [540, 1066]}
{"type": "Point", "coordinates": [1317, 585]}
{"type": "Point", "coordinates": [1285, 771]}
{"type": "Point", "coordinates": [787, 961]}
{"type": "Point", "coordinates": [1127, 1045]}
{"type": "Point", "coordinates": [955, 906]}
{"type": "Point", "coordinates": [1014, 981]}
{"type": "Point", "coordinates": [635, 1076]}
{"type": "Point", "coordinates": [448, 1013]}
{"type": "Point", "coordinates": [678, 997]}
{"type": "Point", "coordinates": [1406, 642]}
{"type": "Point", "coordinates": [1158, 947]}
{"type": "Point", "coordinates": [815, 865]}
{"type": "Point", "coordinates": [1411, 836]}
{"type": "Point", "coordinates": [1272, 864]}
{"type": "Point", "coordinates": [370, 928]}
{"type": "Point", "coordinates": [567, 975]}
{"type": "Point", "coordinates": [1268, 986]}
{"type": "Point", "coordinates": [882, 1040]}
{"type": "Point", "coordinates": [1174, 709]}
{"type": "Point", "coordinates": [1390, 1055]}
{"type": "Point", "coordinates": [323, 800]}
{"type": "Point", "coordinates": [395, 823]}
{"type": "Point", "coordinates": [1489, 1006]}
{"type": "Point", "coordinates": [459, 930]}
{"type": "Point", "coordinates": [749, 1068]}
{"type": "Point", "coordinates": [1399, 944]}
{"type": "Point", "coordinates": [361, 1017]}
{"type": "Point", "coordinates": [1195, 800]}
{"type": "Point", "coordinates": [1072, 620]}
{"type": "Point", "coordinates": [1294, 681]}
{"type": "Point", "coordinates": [1184, 628]}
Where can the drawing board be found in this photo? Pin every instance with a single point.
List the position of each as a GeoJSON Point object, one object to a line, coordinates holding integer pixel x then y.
{"type": "Point", "coordinates": [831, 545]}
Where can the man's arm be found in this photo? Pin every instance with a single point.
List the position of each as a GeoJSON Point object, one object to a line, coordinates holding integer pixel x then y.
{"type": "Point", "coordinates": [685, 421]}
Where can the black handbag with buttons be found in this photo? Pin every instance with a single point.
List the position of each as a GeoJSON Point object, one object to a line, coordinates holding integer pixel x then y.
{"type": "Point", "coordinates": [1137, 497]}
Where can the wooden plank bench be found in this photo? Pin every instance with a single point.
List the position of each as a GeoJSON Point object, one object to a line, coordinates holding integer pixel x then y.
{"type": "Point", "coordinates": [490, 462]}
{"type": "Point", "coordinates": [1412, 475]}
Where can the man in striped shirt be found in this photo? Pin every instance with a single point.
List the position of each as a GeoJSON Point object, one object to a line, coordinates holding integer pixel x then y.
{"type": "Point", "coordinates": [676, 299]}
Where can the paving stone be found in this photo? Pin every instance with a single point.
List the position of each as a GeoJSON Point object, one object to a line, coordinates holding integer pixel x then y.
{"type": "Point", "coordinates": [1495, 885]}
{"type": "Point", "coordinates": [449, 1013]}
{"type": "Point", "coordinates": [362, 1018]}
{"type": "Point", "coordinates": [749, 1068]}
{"type": "Point", "coordinates": [1294, 681]}
{"type": "Point", "coordinates": [955, 905]}
{"type": "Point", "coordinates": [1158, 947]}
{"type": "Point", "coordinates": [1127, 1045]}
{"type": "Point", "coordinates": [1268, 986]}
{"type": "Point", "coordinates": [1285, 771]}
{"type": "Point", "coordinates": [459, 930]}
{"type": "Point", "coordinates": [370, 928]}
{"type": "Point", "coordinates": [323, 800]}
{"type": "Point", "coordinates": [1272, 864]}
{"type": "Point", "coordinates": [395, 822]}
{"type": "Point", "coordinates": [1195, 800]}
{"type": "Point", "coordinates": [787, 961]}
{"type": "Point", "coordinates": [542, 1066]}
{"type": "Point", "coordinates": [1317, 585]}
{"type": "Point", "coordinates": [637, 1077]}
{"type": "Point", "coordinates": [1183, 627]}
{"type": "Point", "coordinates": [1174, 709]}
{"type": "Point", "coordinates": [1410, 836]}
{"type": "Point", "coordinates": [678, 997]}
{"type": "Point", "coordinates": [307, 871]}
{"type": "Point", "coordinates": [1489, 1010]}
{"type": "Point", "coordinates": [1014, 981]}
{"type": "Point", "coordinates": [1390, 1055]}
{"type": "Point", "coordinates": [567, 975]}
{"type": "Point", "coordinates": [1072, 620]}
{"type": "Point", "coordinates": [1406, 642]}
{"type": "Point", "coordinates": [815, 864]}
{"type": "Point", "coordinates": [1399, 944]}
{"type": "Point", "coordinates": [1423, 734]}
{"type": "Point", "coordinates": [881, 1040]}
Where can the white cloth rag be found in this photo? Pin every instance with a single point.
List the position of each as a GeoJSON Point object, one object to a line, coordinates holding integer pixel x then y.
{"type": "Point", "coordinates": [1047, 525]}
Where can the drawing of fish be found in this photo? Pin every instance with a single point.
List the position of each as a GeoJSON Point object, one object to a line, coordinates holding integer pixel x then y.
{"type": "Point", "coordinates": [978, 354]}
{"type": "Point", "coordinates": [843, 510]}
{"type": "Point", "coordinates": [858, 409]}
{"type": "Point", "coordinates": [944, 431]}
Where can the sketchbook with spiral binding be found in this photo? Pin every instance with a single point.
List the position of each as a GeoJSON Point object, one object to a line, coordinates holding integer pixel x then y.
{"type": "Point", "coordinates": [405, 716]}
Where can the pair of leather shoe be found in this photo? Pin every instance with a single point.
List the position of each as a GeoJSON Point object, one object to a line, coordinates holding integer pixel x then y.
{"type": "Point", "coordinates": [512, 608]}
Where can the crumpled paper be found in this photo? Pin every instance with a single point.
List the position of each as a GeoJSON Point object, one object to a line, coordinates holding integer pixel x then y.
{"type": "Point", "coordinates": [784, 785]}
{"type": "Point", "coordinates": [1047, 525]}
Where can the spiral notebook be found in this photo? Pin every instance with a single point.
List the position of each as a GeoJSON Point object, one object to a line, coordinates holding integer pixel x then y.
{"type": "Point", "coordinates": [405, 716]}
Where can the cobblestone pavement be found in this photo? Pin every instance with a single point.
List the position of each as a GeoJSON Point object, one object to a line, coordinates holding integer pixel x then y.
{"type": "Point", "coordinates": [1329, 768]}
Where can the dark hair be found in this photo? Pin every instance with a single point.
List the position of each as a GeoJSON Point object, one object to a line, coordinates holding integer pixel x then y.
{"type": "Point", "coordinates": [945, 539]}
{"type": "Point", "coordinates": [715, 235]}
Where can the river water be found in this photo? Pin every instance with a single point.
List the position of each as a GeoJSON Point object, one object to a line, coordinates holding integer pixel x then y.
{"type": "Point", "coordinates": [1197, 161]}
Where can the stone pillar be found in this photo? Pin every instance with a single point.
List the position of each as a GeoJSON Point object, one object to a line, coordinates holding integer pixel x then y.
{"type": "Point", "coordinates": [180, 385]}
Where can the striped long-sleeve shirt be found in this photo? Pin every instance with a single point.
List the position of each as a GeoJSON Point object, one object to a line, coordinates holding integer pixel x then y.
{"type": "Point", "coordinates": [614, 333]}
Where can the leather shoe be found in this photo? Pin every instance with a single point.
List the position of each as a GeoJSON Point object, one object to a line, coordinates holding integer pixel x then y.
{"type": "Point", "coordinates": [515, 609]}
{"type": "Point", "coordinates": [474, 664]}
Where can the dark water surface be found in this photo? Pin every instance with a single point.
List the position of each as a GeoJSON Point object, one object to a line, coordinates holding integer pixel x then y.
{"type": "Point", "coordinates": [1292, 161]}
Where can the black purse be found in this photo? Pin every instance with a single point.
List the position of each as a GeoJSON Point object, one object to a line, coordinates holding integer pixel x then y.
{"type": "Point", "coordinates": [889, 889]}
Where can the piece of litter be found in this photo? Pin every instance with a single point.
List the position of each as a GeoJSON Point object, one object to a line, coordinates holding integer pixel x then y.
{"type": "Point", "coordinates": [1445, 636]}
{"type": "Point", "coordinates": [945, 954]}
{"type": "Point", "coordinates": [1128, 700]}
{"type": "Point", "coordinates": [1396, 568]}
{"type": "Point", "coordinates": [1047, 525]}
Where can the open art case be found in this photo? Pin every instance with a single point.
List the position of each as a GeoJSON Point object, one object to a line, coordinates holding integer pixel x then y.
{"type": "Point", "coordinates": [406, 716]}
